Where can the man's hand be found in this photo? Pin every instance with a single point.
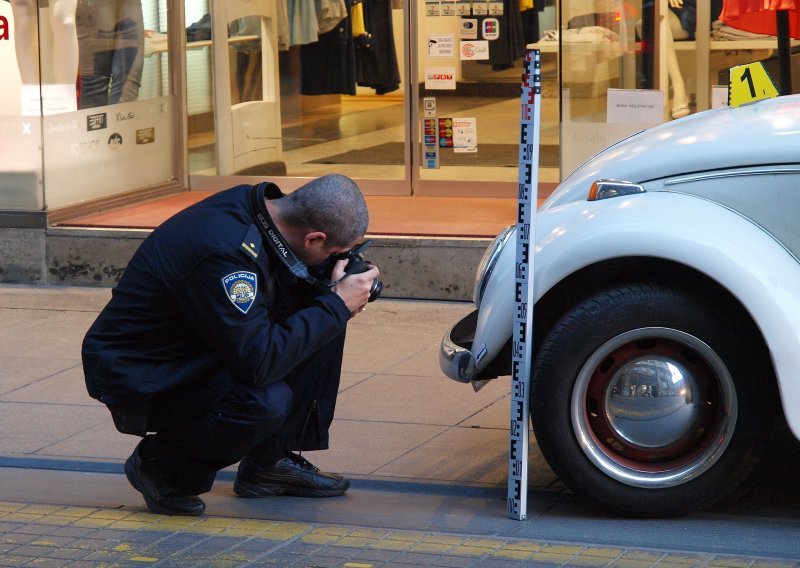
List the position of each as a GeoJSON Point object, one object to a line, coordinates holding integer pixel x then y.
{"type": "Point", "coordinates": [353, 289]}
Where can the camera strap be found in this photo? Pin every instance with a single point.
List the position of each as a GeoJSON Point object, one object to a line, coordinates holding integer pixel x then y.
{"type": "Point", "coordinates": [273, 237]}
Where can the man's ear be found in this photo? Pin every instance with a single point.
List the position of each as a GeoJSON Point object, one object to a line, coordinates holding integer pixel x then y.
{"type": "Point", "coordinates": [314, 239]}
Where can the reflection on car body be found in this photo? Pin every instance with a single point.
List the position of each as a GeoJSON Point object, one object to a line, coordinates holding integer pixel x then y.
{"type": "Point", "coordinates": [667, 315]}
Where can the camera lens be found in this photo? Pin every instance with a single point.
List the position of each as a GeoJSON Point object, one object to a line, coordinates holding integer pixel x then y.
{"type": "Point", "coordinates": [375, 290]}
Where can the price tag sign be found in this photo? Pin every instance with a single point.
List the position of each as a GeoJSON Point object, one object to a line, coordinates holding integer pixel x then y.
{"type": "Point", "coordinates": [750, 83]}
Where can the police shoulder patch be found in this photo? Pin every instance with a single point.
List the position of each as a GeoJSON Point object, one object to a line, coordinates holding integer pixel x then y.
{"type": "Point", "coordinates": [241, 287]}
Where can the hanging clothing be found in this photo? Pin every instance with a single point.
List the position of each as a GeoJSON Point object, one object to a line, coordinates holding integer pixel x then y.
{"type": "Point", "coordinates": [510, 46]}
{"type": "Point", "coordinates": [758, 16]}
{"type": "Point", "coordinates": [328, 66]}
{"type": "Point", "coordinates": [303, 24]}
{"type": "Point", "coordinates": [282, 21]}
{"type": "Point", "coordinates": [376, 57]}
{"type": "Point", "coordinates": [687, 14]}
{"type": "Point", "coordinates": [330, 13]}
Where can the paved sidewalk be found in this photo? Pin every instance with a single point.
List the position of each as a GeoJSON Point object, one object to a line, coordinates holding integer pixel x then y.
{"type": "Point", "coordinates": [45, 536]}
{"type": "Point", "coordinates": [427, 458]}
{"type": "Point", "coordinates": [397, 416]}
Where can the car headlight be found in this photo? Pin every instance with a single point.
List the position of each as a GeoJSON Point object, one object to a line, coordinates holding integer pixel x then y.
{"type": "Point", "coordinates": [488, 262]}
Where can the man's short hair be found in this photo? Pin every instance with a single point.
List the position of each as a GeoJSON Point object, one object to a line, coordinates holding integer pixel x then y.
{"type": "Point", "coordinates": [332, 204]}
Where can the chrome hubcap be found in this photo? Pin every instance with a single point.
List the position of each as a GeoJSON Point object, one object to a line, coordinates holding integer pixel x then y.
{"type": "Point", "coordinates": [654, 407]}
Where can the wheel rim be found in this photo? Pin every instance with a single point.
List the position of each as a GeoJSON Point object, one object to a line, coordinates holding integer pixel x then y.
{"type": "Point", "coordinates": [654, 407]}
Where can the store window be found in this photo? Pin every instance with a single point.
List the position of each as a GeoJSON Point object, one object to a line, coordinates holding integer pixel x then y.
{"type": "Point", "coordinates": [87, 107]}
{"type": "Point", "coordinates": [630, 65]}
{"type": "Point", "coordinates": [469, 65]}
{"type": "Point", "coordinates": [296, 88]}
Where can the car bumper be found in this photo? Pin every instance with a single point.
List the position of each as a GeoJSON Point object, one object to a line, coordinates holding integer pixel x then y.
{"type": "Point", "coordinates": [455, 358]}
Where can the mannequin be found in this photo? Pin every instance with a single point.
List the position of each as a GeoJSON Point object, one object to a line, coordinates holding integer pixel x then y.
{"type": "Point", "coordinates": [111, 35]}
{"type": "Point", "coordinates": [675, 31]}
{"type": "Point", "coordinates": [64, 55]}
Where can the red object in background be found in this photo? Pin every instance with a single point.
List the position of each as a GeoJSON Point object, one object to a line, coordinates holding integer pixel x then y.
{"type": "Point", "coordinates": [779, 18]}
{"type": "Point", "coordinates": [759, 16]}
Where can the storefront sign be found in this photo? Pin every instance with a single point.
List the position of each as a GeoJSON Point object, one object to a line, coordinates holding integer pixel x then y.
{"type": "Point", "coordinates": [465, 135]}
{"type": "Point", "coordinates": [445, 132]}
{"type": "Point", "coordinates": [146, 135]}
{"type": "Point", "coordinates": [480, 8]}
{"type": "Point", "coordinates": [432, 8]}
{"type": "Point", "coordinates": [639, 106]}
{"type": "Point", "coordinates": [441, 45]}
{"type": "Point", "coordinates": [97, 121]}
{"type": "Point", "coordinates": [443, 78]}
{"type": "Point", "coordinates": [468, 28]}
{"type": "Point", "coordinates": [475, 50]}
{"type": "Point", "coordinates": [490, 29]}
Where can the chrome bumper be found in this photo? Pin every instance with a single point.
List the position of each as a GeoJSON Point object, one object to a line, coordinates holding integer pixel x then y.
{"type": "Point", "coordinates": [455, 358]}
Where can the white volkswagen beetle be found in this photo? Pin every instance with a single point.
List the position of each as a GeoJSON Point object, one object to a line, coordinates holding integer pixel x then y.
{"type": "Point", "coordinates": [667, 315]}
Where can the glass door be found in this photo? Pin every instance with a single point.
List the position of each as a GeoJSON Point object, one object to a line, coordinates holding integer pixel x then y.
{"type": "Point", "coordinates": [293, 92]}
{"type": "Point", "coordinates": [468, 66]}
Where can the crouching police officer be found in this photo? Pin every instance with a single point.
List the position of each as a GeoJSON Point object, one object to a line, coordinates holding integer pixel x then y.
{"type": "Point", "coordinates": [223, 341]}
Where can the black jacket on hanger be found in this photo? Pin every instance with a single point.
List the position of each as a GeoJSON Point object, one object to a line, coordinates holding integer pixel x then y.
{"type": "Point", "coordinates": [376, 58]}
{"type": "Point", "coordinates": [329, 65]}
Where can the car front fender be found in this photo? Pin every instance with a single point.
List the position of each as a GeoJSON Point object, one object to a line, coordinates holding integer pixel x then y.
{"type": "Point", "coordinates": [720, 243]}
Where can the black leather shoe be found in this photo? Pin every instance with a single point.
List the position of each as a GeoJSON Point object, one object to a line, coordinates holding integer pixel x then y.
{"type": "Point", "coordinates": [292, 475]}
{"type": "Point", "coordinates": [159, 496]}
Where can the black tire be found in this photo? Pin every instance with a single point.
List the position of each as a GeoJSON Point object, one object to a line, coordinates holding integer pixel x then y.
{"type": "Point", "coordinates": [650, 402]}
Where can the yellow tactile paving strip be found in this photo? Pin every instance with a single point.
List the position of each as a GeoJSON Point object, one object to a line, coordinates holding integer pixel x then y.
{"type": "Point", "coordinates": [45, 535]}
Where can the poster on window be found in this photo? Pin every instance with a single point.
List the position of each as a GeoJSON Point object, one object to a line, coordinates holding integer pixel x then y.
{"type": "Point", "coordinates": [465, 135]}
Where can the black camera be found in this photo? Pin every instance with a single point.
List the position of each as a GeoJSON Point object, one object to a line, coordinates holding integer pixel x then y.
{"type": "Point", "coordinates": [356, 265]}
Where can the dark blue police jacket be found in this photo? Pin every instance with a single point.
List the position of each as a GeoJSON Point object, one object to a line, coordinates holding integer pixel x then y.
{"type": "Point", "coordinates": [202, 296]}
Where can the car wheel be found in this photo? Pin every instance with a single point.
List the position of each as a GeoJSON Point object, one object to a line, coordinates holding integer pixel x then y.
{"type": "Point", "coordinates": [650, 402]}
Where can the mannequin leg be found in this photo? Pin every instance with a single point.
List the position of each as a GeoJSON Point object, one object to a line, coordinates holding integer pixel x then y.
{"type": "Point", "coordinates": [65, 36]}
{"type": "Point", "coordinates": [680, 101]}
{"type": "Point", "coordinates": [25, 40]}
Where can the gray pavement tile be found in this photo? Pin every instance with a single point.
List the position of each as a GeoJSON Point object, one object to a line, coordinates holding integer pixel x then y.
{"type": "Point", "coordinates": [13, 560]}
{"type": "Point", "coordinates": [53, 423]}
{"type": "Point", "coordinates": [412, 314]}
{"type": "Point", "coordinates": [348, 379]}
{"type": "Point", "coordinates": [48, 562]}
{"type": "Point", "coordinates": [420, 400]}
{"type": "Point", "coordinates": [32, 550]}
{"type": "Point", "coordinates": [69, 553]}
{"type": "Point", "coordinates": [35, 333]}
{"type": "Point", "coordinates": [416, 558]}
{"type": "Point", "coordinates": [496, 415]}
{"type": "Point", "coordinates": [317, 561]}
{"type": "Point", "coordinates": [34, 529]}
{"type": "Point", "coordinates": [52, 539]}
{"type": "Point", "coordinates": [76, 532]}
{"type": "Point", "coordinates": [280, 559]}
{"type": "Point", "coordinates": [65, 387]}
{"type": "Point", "coordinates": [424, 363]}
{"type": "Point", "coordinates": [482, 457]}
{"type": "Point", "coordinates": [367, 349]}
{"type": "Point", "coordinates": [76, 298]}
{"type": "Point", "coordinates": [18, 371]}
{"type": "Point", "coordinates": [8, 537]}
{"type": "Point", "coordinates": [101, 441]}
{"type": "Point", "coordinates": [457, 562]}
{"type": "Point", "coordinates": [361, 447]}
